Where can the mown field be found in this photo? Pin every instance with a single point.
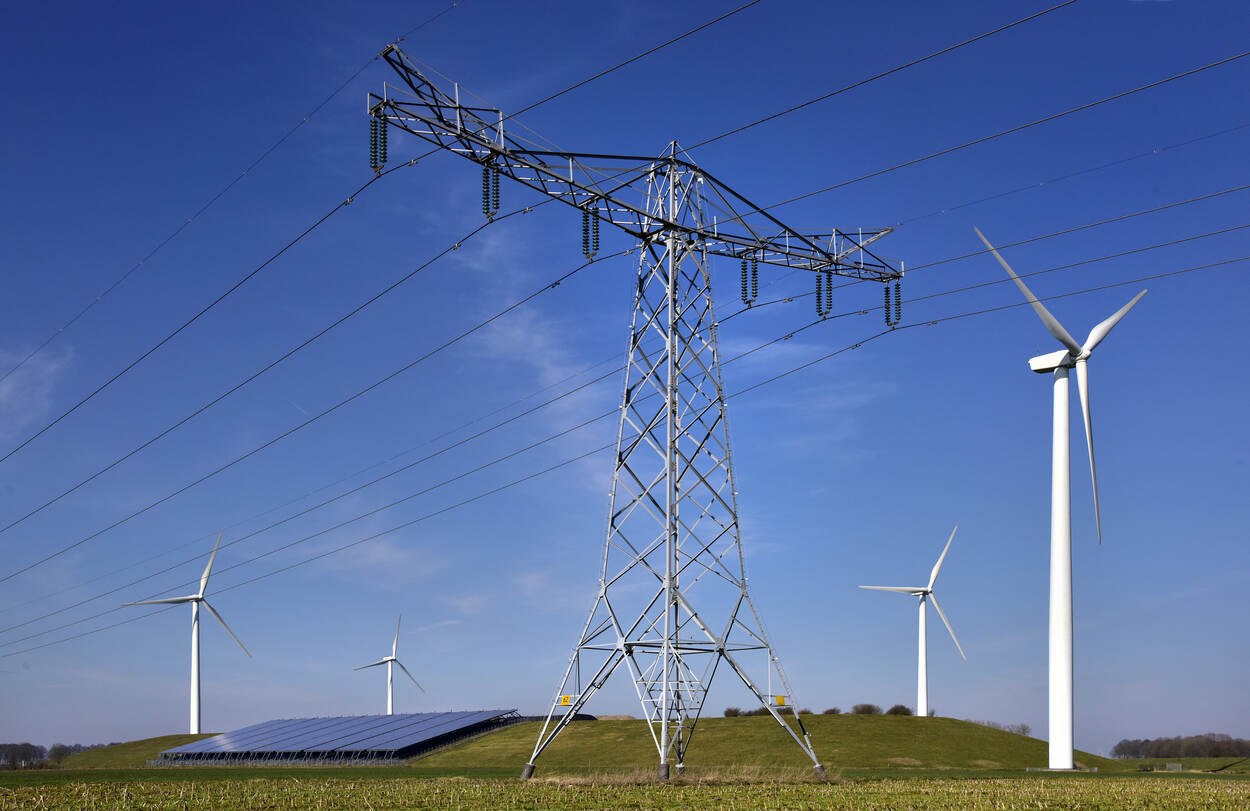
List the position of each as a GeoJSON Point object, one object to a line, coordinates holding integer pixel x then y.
{"type": "Point", "coordinates": [1121, 793]}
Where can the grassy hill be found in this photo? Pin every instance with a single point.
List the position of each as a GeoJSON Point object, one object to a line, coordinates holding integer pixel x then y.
{"type": "Point", "coordinates": [841, 741]}
{"type": "Point", "coordinates": [127, 755]}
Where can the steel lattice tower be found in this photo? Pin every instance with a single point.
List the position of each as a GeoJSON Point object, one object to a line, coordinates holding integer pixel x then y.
{"type": "Point", "coordinates": [672, 603]}
{"type": "Point", "coordinates": [673, 538]}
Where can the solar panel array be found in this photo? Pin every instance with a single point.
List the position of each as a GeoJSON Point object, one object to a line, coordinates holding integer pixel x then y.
{"type": "Point", "coordinates": [352, 737]}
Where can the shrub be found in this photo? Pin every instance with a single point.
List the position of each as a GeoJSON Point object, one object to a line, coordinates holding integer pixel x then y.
{"type": "Point", "coordinates": [866, 709]}
{"type": "Point", "coordinates": [899, 709]}
{"type": "Point", "coordinates": [732, 712]}
{"type": "Point", "coordinates": [832, 711]}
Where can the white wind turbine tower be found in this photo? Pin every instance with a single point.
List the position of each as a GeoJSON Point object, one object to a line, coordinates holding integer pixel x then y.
{"type": "Point", "coordinates": [195, 600]}
{"type": "Point", "coordinates": [926, 593]}
{"type": "Point", "coordinates": [389, 661]}
{"type": "Point", "coordinates": [1073, 355]}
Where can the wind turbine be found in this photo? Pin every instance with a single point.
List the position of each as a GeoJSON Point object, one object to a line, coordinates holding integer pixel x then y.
{"type": "Point", "coordinates": [195, 600]}
{"type": "Point", "coordinates": [926, 593]}
{"type": "Point", "coordinates": [1074, 355]}
{"type": "Point", "coordinates": [390, 672]}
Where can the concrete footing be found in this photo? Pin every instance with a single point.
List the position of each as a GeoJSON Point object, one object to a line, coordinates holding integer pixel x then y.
{"type": "Point", "coordinates": [820, 771]}
{"type": "Point", "coordinates": [527, 771]}
{"type": "Point", "coordinates": [661, 771]}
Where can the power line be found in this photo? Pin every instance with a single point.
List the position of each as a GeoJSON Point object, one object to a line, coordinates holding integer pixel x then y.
{"type": "Point", "coordinates": [305, 423]}
{"type": "Point", "coordinates": [1051, 235]}
{"type": "Point", "coordinates": [1010, 131]}
{"type": "Point", "coordinates": [634, 59]}
{"type": "Point", "coordinates": [306, 494]}
{"type": "Point", "coordinates": [320, 488]}
{"type": "Point", "coordinates": [212, 200]}
{"type": "Point", "coordinates": [882, 75]}
{"type": "Point", "coordinates": [496, 426]}
{"type": "Point", "coordinates": [204, 310]}
{"type": "Point", "coordinates": [412, 162]}
{"type": "Point", "coordinates": [1016, 129]}
{"type": "Point", "coordinates": [1115, 219]}
{"type": "Point", "coordinates": [565, 463]}
{"type": "Point", "coordinates": [979, 285]}
{"type": "Point", "coordinates": [291, 544]}
{"type": "Point", "coordinates": [1079, 173]}
{"type": "Point", "coordinates": [289, 353]}
{"type": "Point", "coordinates": [725, 319]}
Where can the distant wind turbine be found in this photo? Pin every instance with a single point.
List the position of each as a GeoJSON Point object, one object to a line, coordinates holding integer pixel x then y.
{"type": "Point", "coordinates": [390, 673]}
{"type": "Point", "coordinates": [195, 600]}
{"type": "Point", "coordinates": [926, 593]}
{"type": "Point", "coordinates": [1073, 355]}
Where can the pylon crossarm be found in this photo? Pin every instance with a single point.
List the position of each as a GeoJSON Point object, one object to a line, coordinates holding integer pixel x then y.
{"type": "Point", "coordinates": [603, 185]}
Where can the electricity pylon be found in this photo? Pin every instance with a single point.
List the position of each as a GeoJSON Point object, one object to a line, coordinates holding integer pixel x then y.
{"type": "Point", "coordinates": [672, 602]}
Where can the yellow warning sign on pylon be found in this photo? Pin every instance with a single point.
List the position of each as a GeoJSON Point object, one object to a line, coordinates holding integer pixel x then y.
{"type": "Point", "coordinates": [780, 701]}
{"type": "Point", "coordinates": [565, 701]}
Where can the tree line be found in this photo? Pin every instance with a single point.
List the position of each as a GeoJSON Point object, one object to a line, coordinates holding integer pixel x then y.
{"type": "Point", "coordinates": [858, 709]}
{"type": "Point", "coordinates": [30, 755]}
{"type": "Point", "coordinates": [1210, 744]}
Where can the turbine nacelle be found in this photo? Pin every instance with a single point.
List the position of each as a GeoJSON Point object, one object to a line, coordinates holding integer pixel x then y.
{"type": "Point", "coordinates": [1045, 364]}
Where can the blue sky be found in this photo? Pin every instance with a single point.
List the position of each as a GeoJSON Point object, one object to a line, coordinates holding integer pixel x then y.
{"type": "Point", "coordinates": [124, 121]}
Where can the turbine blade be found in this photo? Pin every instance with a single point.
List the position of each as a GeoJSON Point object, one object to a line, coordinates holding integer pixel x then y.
{"type": "Point", "coordinates": [1082, 384]}
{"type": "Point", "coordinates": [395, 644]}
{"type": "Point", "coordinates": [899, 589]}
{"type": "Point", "coordinates": [167, 600]}
{"type": "Point", "coordinates": [414, 680]}
{"type": "Point", "coordinates": [209, 567]}
{"type": "Point", "coordinates": [937, 566]}
{"type": "Point", "coordinates": [371, 664]}
{"type": "Point", "coordinates": [213, 611]}
{"type": "Point", "coordinates": [947, 622]}
{"type": "Point", "coordinates": [1100, 331]}
{"type": "Point", "coordinates": [1052, 324]}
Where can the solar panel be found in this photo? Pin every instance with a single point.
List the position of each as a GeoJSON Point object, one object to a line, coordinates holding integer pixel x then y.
{"type": "Point", "coordinates": [338, 738]}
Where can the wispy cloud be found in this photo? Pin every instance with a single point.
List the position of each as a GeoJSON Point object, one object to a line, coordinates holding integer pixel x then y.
{"type": "Point", "coordinates": [26, 394]}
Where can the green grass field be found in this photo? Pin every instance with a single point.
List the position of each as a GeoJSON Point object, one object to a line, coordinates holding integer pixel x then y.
{"type": "Point", "coordinates": [841, 741]}
{"type": "Point", "coordinates": [1119, 793]}
{"type": "Point", "coordinates": [874, 762]}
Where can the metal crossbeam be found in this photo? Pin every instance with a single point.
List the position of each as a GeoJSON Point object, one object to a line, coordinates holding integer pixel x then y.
{"type": "Point", "coordinates": [608, 187]}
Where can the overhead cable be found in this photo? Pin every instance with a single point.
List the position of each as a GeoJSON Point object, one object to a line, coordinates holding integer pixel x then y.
{"type": "Point", "coordinates": [464, 502]}
{"type": "Point", "coordinates": [881, 75]}
{"type": "Point", "coordinates": [358, 394]}
{"type": "Point", "coordinates": [412, 162]}
{"type": "Point", "coordinates": [209, 203]}
{"type": "Point", "coordinates": [1106, 221]}
{"type": "Point", "coordinates": [564, 432]}
{"type": "Point", "coordinates": [1018, 128]}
